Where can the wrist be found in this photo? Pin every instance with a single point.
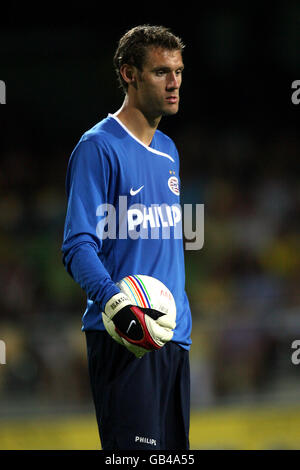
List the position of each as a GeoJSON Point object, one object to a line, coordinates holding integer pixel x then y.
{"type": "Point", "coordinates": [115, 304]}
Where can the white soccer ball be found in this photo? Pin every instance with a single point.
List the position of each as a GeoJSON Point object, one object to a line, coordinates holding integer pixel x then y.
{"type": "Point", "coordinates": [149, 292]}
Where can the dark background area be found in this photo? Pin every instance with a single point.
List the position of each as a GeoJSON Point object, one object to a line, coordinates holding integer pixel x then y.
{"type": "Point", "coordinates": [237, 132]}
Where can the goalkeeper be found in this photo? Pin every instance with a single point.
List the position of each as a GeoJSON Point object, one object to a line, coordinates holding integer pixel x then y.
{"type": "Point", "coordinates": [140, 403]}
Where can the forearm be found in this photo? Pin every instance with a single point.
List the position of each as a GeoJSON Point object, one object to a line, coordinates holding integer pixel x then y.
{"type": "Point", "coordinates": [88, 271]}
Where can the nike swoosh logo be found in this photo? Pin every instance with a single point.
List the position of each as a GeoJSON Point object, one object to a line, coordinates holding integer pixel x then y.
{"type": "Point", "coordinates": [133, 193]}
{"type": "Point", "coordinates": [130, 324]}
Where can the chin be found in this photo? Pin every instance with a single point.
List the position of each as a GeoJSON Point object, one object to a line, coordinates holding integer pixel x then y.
{"type": "Point", "coordinates": [170, 111]}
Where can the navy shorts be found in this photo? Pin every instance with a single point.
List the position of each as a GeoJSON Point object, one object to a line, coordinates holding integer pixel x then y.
{"type": "Point", "coordinates": [141, 404]}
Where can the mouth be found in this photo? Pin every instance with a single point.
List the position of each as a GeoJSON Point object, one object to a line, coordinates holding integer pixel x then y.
{"type": "Point", "coordinates": [172, 99]}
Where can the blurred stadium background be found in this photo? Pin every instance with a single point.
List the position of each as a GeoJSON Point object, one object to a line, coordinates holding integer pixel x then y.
{"type": "Point", "coordinates": [238, 136]}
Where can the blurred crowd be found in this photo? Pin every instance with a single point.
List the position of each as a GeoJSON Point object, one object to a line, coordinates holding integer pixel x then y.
{"type": "Point", "coordinates": [243, 285]}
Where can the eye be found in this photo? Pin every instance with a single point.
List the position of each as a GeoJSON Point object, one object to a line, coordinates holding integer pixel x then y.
{"type": "Point", "coordinates": [160, 73]}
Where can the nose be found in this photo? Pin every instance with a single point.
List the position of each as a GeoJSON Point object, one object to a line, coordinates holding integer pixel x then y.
{"type": "Point", "coordinates": [173, 81]}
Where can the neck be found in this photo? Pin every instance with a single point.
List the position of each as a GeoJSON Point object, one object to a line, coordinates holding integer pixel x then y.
{"type": "Point", "coordinates": [142, 126]}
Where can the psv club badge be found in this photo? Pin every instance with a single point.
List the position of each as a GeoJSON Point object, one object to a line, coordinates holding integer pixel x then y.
{"type": "Point", "coordinates": [174, 185]}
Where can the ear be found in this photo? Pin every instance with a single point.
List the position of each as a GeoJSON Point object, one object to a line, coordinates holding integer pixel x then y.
{"type": "Point", "coordinates": [129, 73]}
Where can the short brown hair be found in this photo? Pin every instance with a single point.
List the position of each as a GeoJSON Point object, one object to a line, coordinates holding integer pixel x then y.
{"type": "Point", "coordinates": [133, 45]}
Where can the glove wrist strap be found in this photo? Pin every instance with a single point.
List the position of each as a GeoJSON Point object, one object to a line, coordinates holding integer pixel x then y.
{"type": "Point", "coordinates": [115, 304]}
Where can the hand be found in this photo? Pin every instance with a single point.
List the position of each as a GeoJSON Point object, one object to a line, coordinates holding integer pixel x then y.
{"type": "Point", "coordinates": [145, 329]}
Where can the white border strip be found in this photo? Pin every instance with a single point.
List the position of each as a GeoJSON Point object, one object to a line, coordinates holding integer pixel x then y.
{"type": "Point", "coordinates": [157, 152]}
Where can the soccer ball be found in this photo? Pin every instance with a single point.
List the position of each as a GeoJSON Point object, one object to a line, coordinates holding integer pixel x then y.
{"type": "Point", "coordinates": [143, 291]}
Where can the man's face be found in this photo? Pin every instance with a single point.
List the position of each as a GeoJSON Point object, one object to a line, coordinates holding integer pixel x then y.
{"type": "Point", "coordinates": [158, 84]}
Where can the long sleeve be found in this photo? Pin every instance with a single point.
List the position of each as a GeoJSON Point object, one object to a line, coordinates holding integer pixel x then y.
{"type": "Point", "coordinates": [87, 185]}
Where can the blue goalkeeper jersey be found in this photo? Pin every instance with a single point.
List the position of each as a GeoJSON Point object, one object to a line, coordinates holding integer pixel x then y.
{"type": "Point", "coordinates": [124, 218]}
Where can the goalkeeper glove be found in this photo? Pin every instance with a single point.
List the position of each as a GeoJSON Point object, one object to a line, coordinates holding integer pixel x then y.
{"type": "Point", "coordinates": [139, 326]}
